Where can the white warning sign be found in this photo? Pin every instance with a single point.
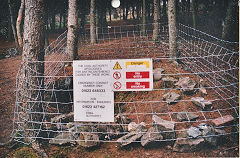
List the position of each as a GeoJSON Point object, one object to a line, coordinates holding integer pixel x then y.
{"type": "Point", "coordinates": [93, 97]}
{"type": "Point", "coordinates": [94, 83]}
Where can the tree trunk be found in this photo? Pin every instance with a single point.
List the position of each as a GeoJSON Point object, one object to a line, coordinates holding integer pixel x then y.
{"type": "Point", "coordinates": [92, 22]}
{"type": "Point", "coordinates": [138, 10]}
{"type": "Point", "coordinates": [9, 29]}
{"type": "Point", "coordinates": [164, 10]}
{"type": "Point", "coordinates": [133, 11]}
{"type": "Point", "coordinates": [110, 14]}
{"type": "Point", "coordinates": [53, 21]}
{"type": "Point", "coordinates": [194, 13]}
{"type": "Point", "coordinates": [60, 21]}
{"type": "Point", "coordinates": [33, 66]}
{"type": "Point", "coordinates": [64, 20]}
{"type": "Point", "coordinates": [72, 35]}
{"type": "Point", "coordinates": [156, 20]}
{"type": "Point", "coordinates": [172, 29]}
{"type": "Point", "coordinates": [230, 28]}
{"type": "Point", "coordinates": [143, 17]}
{"type": "Point", "coordinates": [18, 24]}
{"type": "Point", "coordinates": [13, 27]}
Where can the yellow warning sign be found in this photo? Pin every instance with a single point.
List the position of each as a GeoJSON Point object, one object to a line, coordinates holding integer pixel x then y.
{"type": "Point", "coordinates": [136, 63]}
{"type": "Point", "coordinates": [117, 66]}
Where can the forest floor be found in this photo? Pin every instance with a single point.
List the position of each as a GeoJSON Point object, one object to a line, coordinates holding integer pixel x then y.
{"type": "Point", "coordinates": [8, 72]}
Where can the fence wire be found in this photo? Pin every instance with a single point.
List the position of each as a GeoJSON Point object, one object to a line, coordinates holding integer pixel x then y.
{"type": "Point", "coordinates": [210, 63]}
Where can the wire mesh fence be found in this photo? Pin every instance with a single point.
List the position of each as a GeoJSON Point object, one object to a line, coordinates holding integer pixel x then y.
{"type": "Point", "coordinates": [198, 91]}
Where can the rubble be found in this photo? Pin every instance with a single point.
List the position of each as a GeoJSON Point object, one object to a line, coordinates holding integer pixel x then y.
{"type": "Point", "coordinates": [63, 138]}
{"type": "Point", "coordinates": [194, 132]}
{"type": "Point", "coordinates": [166, 127]}
{"type": "Point", "coordinates": [202, 103]}
{"type": "Point", "coordinates": [187, 116]}
{"type": "Point", "coordinates": [151, 136]}
{"type": "Point", "coordinates": [186, 84]}
{"type": "Point", "coordinates": [223, 120]}
{"type": "Point", "coordinates": [171, 97]}
{"type": "Point", "coordinates": [157, 74]}
{"type": "Point", "coordinates": [188, 145]}
{"type": "Point", "coordinates": [88, 140]}
{"type": "Point", "coordinates": [133, 135]}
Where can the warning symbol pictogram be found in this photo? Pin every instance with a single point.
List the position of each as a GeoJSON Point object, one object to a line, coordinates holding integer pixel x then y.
{"type": "Point", "coordinates": [117, 85]}
{"type": "Point", "coordinates": [117, 66]}
{"type": "Point", "coordinates": [116, 75]}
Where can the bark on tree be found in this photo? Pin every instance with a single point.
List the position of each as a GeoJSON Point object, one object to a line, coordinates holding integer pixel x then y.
{"type": "Point", "coordinates": [33, 66]}
{"type": "Point", "coordinates": [194, 13]}
{"type": "Point", "coordinates": [172, 29]}
{"type": "Point", "coordinates": [13, 26]}
{"type": "Point", "coordinates": [92, 22]}
{"type": "Point", "coordinates": [156, 20]}
{"type": "Point", "coordinates": [72, 35]}
{"type": "Point", "coordinates": [18, 24]}
{"type": "Point", "coordinates": [143, 17]}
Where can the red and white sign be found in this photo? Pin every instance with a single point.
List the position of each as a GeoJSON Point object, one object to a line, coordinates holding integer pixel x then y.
{"type": "Point", "coordinates": [117, 75]}
{"type": "Point", "coordinates": [117, 85]}
{"type": "Point", "coordinates": [137, 75]}
{"type": "Point", "coordinates": [132, 75]}
{"type": "Point", "coordinates": [138, 85]}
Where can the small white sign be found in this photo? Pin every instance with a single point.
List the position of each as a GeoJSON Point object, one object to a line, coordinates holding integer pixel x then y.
{"type": "Point", "coordinates": [93, 97]}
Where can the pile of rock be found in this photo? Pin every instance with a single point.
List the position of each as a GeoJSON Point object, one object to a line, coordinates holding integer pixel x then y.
{"type": "Point", "coordinates": [161, 129]}
{"type": "Point", "coordinates": [195, 138]}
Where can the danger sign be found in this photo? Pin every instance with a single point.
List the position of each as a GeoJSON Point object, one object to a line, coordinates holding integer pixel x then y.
{"type": "Point", "coordinates": [132, 75]}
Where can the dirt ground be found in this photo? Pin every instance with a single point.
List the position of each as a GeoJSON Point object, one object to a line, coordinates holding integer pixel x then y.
{"type": "Point", "coordinates": [8, 72]}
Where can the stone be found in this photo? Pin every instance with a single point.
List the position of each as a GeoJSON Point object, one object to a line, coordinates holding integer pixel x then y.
{"type": "Point", "coordinates": [129, 138]}
{"type": "Point", "coordinates": [182, 134]}
{"type": "Point", "coordinates": [122, 119]}
{"type": "Point", "coordinates": [167, 127]}
{"type": "Point", "coordinates": [194, 132]}
{"type": "Point", "coordinates": [62, 117]}
{"type": "Point", "coordinates": [202, 103]}
{"type": "Point", "coordinates": [210, 135]}
{"type": "Point", "coordinates": [202, 83]}
{"type": "Point", "coordinates": [157, 74]}
{"type": "Point", "coordinates": [223, 120]}
{"type": "Point", "coordinates": [63, 138]}
{"type": "Point", "coordinates": [171, 97]}
{"type": "Point", "coordinates": [220, 131]}
{"type": "Point", "coordinates": [151, 136]}
{"type": "Point", "coordinates": [169, 79]}
{"type": "Point", "coordinates": [187, 116]}
{"type": "Point", "coordinates": [186, 84]}
{"type": "Point", "coordinates": [88, 140]}
{"type": "Point", "coordinates": [11, 52]}
{"type": "Point", "coordinates": [188, 145]}
{"type": "Point", "coordinates": [133, 136]}
{"type": "Point", "coordinates": [203, 91]}
{"type": "Point", "coordinates": [132, 126]}
{"type": "Point", "coordinates": [202, 126]}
